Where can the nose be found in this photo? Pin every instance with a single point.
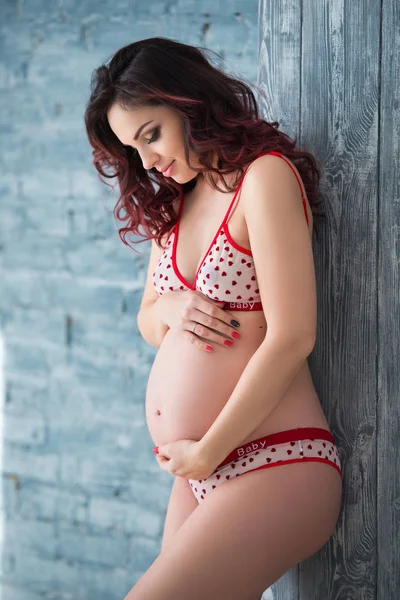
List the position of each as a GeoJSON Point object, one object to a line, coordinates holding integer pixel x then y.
{"type": "Point", "coordinates": [149, 160]}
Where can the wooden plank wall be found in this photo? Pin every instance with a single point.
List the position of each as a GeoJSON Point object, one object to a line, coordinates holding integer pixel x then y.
{"type": "Point", "coordinates": [330, 71]}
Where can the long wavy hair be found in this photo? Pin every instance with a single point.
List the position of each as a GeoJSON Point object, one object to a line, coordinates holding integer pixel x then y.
{"type": "Point", "coordinates": [220, 116]}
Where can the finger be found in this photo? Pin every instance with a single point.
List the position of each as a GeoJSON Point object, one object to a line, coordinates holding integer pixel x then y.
{"type": "Point", "coordinates": [208, 309]}
{"type": "Point", "coordinates": [219, 314]}
{"type": "Point", "coordinates": [195, 339]}
{"type": "Point", "coordinates": [202, 342]}
{"type": "Point", "coordinates": [211, 329]}
{"type": "Point", "coordinates": [162, 458]}
{"type": "Point", "coordinates": [164, 465]}
{"type": "Point", "coordinates": [163, 451]}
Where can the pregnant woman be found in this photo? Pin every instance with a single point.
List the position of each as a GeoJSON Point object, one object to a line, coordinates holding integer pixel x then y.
{"type": "Point", "coordinates": [230, 303]}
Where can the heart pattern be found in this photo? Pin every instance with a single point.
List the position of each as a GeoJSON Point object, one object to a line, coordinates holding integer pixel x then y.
{"type": "Point", "coordinates": [293, 451]}
{"type": "Point", "coordinates": [236, 260]}
{"type": "Point", "coordinates": [226, 273]}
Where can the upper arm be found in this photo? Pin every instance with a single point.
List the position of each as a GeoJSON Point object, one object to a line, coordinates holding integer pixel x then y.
{"type": "Point", "coordinates": [282, 248]}
{"type": "Point", "coordinates": [150, 295]}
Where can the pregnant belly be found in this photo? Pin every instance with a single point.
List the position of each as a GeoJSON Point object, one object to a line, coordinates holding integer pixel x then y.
{"type": "Point", "coordinates": [188, 387]}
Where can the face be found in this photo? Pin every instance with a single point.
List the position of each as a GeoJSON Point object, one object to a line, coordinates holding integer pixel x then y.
{"type": "Point", "coordinates": [159, 138]}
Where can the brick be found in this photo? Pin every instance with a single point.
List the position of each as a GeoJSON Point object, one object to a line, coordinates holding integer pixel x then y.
{"type": "Point", "coordinates": [81, 519]}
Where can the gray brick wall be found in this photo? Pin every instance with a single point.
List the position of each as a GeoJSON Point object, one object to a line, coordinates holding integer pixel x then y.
{"type": "Point", "coordinates": [83, 499]}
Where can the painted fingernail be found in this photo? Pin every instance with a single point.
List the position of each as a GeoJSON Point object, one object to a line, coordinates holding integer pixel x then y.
{"type": "Point", "coordinates": [235, 334]}
{"type": "Point", "coordinates": [155, 450]}
{"type": "Point", "coordinates": [228, 342]}
{"type": "Point", "coordinates": [235, 323]}
{"type": "Point", "coordinates": [209, 348]}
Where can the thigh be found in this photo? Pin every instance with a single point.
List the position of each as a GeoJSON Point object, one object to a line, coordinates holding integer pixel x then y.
{"type": "Point", "coordinates": [246, 534]}
{"type": "Point", "coordinates": [181, 504]}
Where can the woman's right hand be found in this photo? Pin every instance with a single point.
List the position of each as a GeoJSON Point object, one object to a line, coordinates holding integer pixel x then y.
{"type": "Point", "coordinates": [190, 309]}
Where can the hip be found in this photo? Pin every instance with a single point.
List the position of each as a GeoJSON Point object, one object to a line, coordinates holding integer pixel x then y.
{"type": "Point", "coordinates": [300, 445]}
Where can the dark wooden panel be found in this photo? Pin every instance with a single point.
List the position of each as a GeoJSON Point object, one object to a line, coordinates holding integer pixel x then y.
{"type": "Point", "coordinates": [279, 78]}
{"type": "Point", "coordinates": [388, 419]}
{"type": "Point", "coordinates": [320, 69]}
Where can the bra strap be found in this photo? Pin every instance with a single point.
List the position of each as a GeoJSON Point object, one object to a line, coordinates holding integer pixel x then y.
{"type": "Point", "coordinates": [297, 177]}
{"type": "Point", "coordinates": [228, 212]}
{"type": "Point", "coordinates": [242, 178]}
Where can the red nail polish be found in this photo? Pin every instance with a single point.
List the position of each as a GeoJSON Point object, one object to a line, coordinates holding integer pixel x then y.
{"type": "Point", "coordinates": [155, 450]}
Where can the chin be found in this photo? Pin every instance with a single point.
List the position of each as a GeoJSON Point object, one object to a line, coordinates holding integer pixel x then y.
{"type": "Point", "coordinates": [182, 180]}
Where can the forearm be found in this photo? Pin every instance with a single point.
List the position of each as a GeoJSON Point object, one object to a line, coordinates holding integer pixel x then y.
{"type": "Point", "coordinates": [264, 381]}
{"type": "Point", "coordinates": [150, 326]}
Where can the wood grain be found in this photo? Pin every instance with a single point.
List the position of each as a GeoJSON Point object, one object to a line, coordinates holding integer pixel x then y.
{"type": "Point", "coordinates": [330, 74]}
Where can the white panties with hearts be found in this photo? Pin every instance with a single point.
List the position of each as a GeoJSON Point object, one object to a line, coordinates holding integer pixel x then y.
{"type": "Point", "coordinates": [293, 445]}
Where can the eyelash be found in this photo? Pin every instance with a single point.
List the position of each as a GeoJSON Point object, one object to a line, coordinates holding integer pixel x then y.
{"type": "Point", "coordinates": [155, 135]}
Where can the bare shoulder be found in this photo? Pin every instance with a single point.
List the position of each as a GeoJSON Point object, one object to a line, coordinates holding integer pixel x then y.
{"type": "Point", "coordinates": [275, 174]}
{"type": "Point", "coordinates": [275, 168]}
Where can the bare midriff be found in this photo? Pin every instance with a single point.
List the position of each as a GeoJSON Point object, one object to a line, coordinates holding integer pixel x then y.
{"type": "Point", "coordinates": [188, 387]}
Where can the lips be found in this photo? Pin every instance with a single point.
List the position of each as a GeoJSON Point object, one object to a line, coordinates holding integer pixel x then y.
{"type": "Point", "coordinates": [166, 168]}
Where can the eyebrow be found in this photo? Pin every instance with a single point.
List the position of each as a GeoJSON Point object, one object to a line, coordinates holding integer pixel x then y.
{"type": "Point", "coordinates": [140, 129]}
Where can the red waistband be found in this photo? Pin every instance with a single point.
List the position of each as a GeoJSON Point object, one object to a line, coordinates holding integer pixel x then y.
{"type": "Point", "coordinates": [289, 435]}
{"type": "Point", "coordinates": [243, 306]}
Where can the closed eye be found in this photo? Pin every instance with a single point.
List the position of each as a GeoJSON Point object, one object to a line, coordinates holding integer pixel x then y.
{"type": "Point", "coordinates": [154, 137]}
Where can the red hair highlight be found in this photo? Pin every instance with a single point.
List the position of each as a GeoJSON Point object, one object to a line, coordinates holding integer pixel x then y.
{"type": "Point", "coordinates": [220, 115]}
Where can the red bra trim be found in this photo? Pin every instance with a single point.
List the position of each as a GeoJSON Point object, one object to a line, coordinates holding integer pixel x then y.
{"type": "Point", "coordinates": [297, 177]}
{"type": "Point", "coordinates": [290, 165]}
{"type": "Point", "coordinates": [224, 224]}
{"type": "Point", "coordinates": [177, 272]}
{"type": "Point", "coordinates": [233, 243]}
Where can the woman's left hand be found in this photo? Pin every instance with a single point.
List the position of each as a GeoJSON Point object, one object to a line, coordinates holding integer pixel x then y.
{"type": "Point", "coordinates": [185, 458]}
